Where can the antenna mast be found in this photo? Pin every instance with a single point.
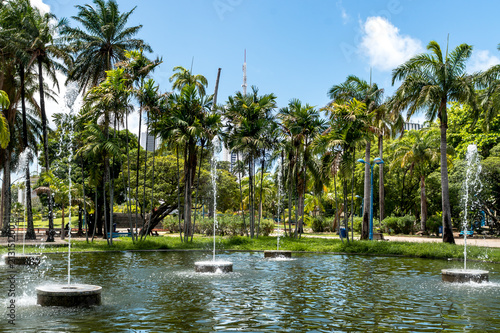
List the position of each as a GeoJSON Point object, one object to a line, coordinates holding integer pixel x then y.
{"type": "Point", "coordinates": [244, 85]}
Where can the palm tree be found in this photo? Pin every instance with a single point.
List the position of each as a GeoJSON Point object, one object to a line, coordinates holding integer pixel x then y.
{"type": "Point", "coordinates": [109, 99]}
{"type": "Point", "coordinates": [101, 42]}
{"type": "Point", "coordinates": [429, 82]}
{"type": "Point", "coordinates": [249, 115]}
{"type": "Point", "coordinates": [138, 67]}
{"type": "Point", "coordinates": [183, 77]}
{"type": "Point", "coordinates": [349, 123]}
{"type": "Point", "coordinates": [182, 124]}
{"type": "Point", "coordinates": [419, 151]}
{"type": "Point", "coordinates": [302, 124]}
{"type": "Point", "coordinates": [371, 95]}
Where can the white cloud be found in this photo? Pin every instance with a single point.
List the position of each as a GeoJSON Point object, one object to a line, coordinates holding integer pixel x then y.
{"type": "Point", "coordinates": [343, 13]}
{"type": "Point", "coordinates": [481, 60]}
{"type": "Point", "coordinates": [42, 6]}
{"type": "Point", "coordinates": [383, 44]}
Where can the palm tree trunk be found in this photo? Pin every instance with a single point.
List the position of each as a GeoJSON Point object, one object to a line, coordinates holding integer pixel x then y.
{"type": "Point", "coordinates": [381, 192]}
{"type": "Point", "coordinates": [197, 188]}
{"type": "Point", "coordinates": [423, 205]}
{"type": "Point", "coordinates": [138, 167]}
{"type": "Point", "coordinates": [366, 213]}
{"type": "Point", "coordinates": [152, 193]}
{"type": "Point", "coordinates": [241, 196]}
{"type": "Point", "coordinates": [30, 231]}
{"type": "Point", "coordinates": [337, 216]}
{"type": "Point", "coordinates": [50, 237]}
{"type": "Point", "coordinates": [250, 197]}
{"type": "Point", "coordinates": [145, 176]}
{"type": "Point", "coordinates": [447, 226]}
{"type": "Point", "coordinates": [260, 195]}
{"type": "Point", "coordinates": [129, 206]}
{"type": "Point", "coordinates": [352, 193]}
{"type": "Point", "coordinates": [290, 187]}
{"type": "Point", "coordinates": [179, 193]}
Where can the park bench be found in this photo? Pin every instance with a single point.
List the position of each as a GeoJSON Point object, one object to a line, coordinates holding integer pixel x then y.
{"type": "Point", "coordinates": [378, 236]}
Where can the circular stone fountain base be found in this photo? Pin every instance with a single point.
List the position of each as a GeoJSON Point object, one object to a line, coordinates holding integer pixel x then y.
{"type": "Point", "coordinates": [464, 275]}
{"type": "Point", "coordinates": [69, 295]}
{"type": "Point", "coordinates": [277, 254]}
{"type": "Point", "coordinates": [23, 259]}
{"type": "Point", "coordinates": [213, 266]}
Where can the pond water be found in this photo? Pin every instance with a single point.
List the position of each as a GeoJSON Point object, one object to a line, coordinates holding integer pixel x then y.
{"type": "Point", "coordinates": [160, 292]}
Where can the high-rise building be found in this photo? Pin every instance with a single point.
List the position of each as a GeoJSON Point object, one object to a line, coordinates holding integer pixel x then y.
{"type": "Point", "coordinates": [412, 126]}
{"type": "Point", "coordinates": [149, 145]}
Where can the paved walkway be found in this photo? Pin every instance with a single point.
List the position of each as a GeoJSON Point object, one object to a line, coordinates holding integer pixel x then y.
{"type": "Point", "coordinates": [476, 240]}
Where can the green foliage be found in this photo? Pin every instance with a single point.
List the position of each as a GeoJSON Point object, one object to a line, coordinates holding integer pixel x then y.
{"type": "Point", "coordinates": [319, 224]}
{"type": "Point", "coordinates": [399, 225]}
{"type": "Point", "coordinates": [433, 223]}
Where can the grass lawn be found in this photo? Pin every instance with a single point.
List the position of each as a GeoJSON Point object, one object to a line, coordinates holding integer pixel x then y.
{"type": "Point", "coordinates": [421, 250]}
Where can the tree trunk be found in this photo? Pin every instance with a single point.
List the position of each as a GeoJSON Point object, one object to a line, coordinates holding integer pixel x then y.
{"type": "Point", "coordinates": [50, 237]}
{"type": "Point", "coordinates": [30, 230]}
{"type": "Point", "coordinates": [366, 214]}
{"type": "Point", "coordinates": [179, 192]}
{"type": "Point", "coordinates": [251, 198]}
{"type": "Point", "coordinates": [423, 205]}
{"type": "Point", "coordinates": [381, 192]}
{"type": "Point", "coordinates": [241, 196]}
{"type": "Point", "coordinates": [197, 187]}
{"type": "Point", "coordinates": [447, 226]}
{"type": "Point", "coordinates": [260, 196]}
{"type": "Point", "coordinates": [129, 205]}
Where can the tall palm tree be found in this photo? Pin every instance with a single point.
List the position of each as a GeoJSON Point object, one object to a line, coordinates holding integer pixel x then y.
{"type": "Point", "coordinates": [302, 123]}
{"type": "Point", "coordinates": [429, 82]}
{"type": "Point", "coordinates": [371, 95]}
{"type": "Point", "coordinates": [349, 123]}
{"type": "Point", "coordinates": [419, 151]}
{"type": "Point", "coordinates": [183, 77]}
{"type": "Point", "coordinates": [250, 115]}
{"type": "Point", "coordinates": [182, 123]}
{"type": "Point", "coordinates": [108, 101]}
{"type": "Point", "coordinates": [389, 124]}
{"type": "Point", "coordinates": [101, 42]}
{"type": "Point", "coordinates": [138, 67]}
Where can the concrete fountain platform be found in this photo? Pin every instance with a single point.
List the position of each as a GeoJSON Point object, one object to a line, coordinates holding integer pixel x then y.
{"type": "Point", "coordinates": [277, 254]}
{"type": "Point", "coordinates": [464, 275]}
{"type": "Point", "coordinates": [213, 266]}
{"type": "Point", "coordinates": [69, 295]}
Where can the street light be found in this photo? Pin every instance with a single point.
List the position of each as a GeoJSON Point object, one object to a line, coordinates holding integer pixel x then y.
{"type": "Point", "coordinates": [377, 160]}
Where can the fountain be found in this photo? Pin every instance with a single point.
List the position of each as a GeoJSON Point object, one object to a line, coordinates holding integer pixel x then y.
{"type": "Point", "coordinates": [472, 185]}
{"type": "Point", "coordinates": [278, 253]}
{"type": "Point", "coordinates": [214, 266]}
{"type": "Point", "coordinates": [69, 295]}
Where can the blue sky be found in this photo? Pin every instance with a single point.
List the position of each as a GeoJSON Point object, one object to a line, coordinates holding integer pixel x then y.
{"type": "Point", "coordinates": [299, 49]}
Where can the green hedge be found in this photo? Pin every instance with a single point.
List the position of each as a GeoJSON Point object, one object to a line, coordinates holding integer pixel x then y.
{"type": "Point", "coordinates": [399, 225]}
{"type": "Point", "coordinates": [227, 225]}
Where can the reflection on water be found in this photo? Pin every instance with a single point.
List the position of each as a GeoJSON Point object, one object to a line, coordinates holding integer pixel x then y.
{"type": "Point", "coordinates": [160, 292]}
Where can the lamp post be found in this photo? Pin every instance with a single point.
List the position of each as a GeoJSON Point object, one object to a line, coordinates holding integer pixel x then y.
{"type": "Point", "coordinates": [377, 160]}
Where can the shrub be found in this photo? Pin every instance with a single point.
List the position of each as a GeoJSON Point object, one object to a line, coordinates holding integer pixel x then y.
{"type": "Point", "coordinates": [266, 227]}
{"type": "Point", "coordinates": [399, 225]}
{"type": "Point", "coordinates": [433, 223]}
{"type": "Point", "coordinates": [318, 224]}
